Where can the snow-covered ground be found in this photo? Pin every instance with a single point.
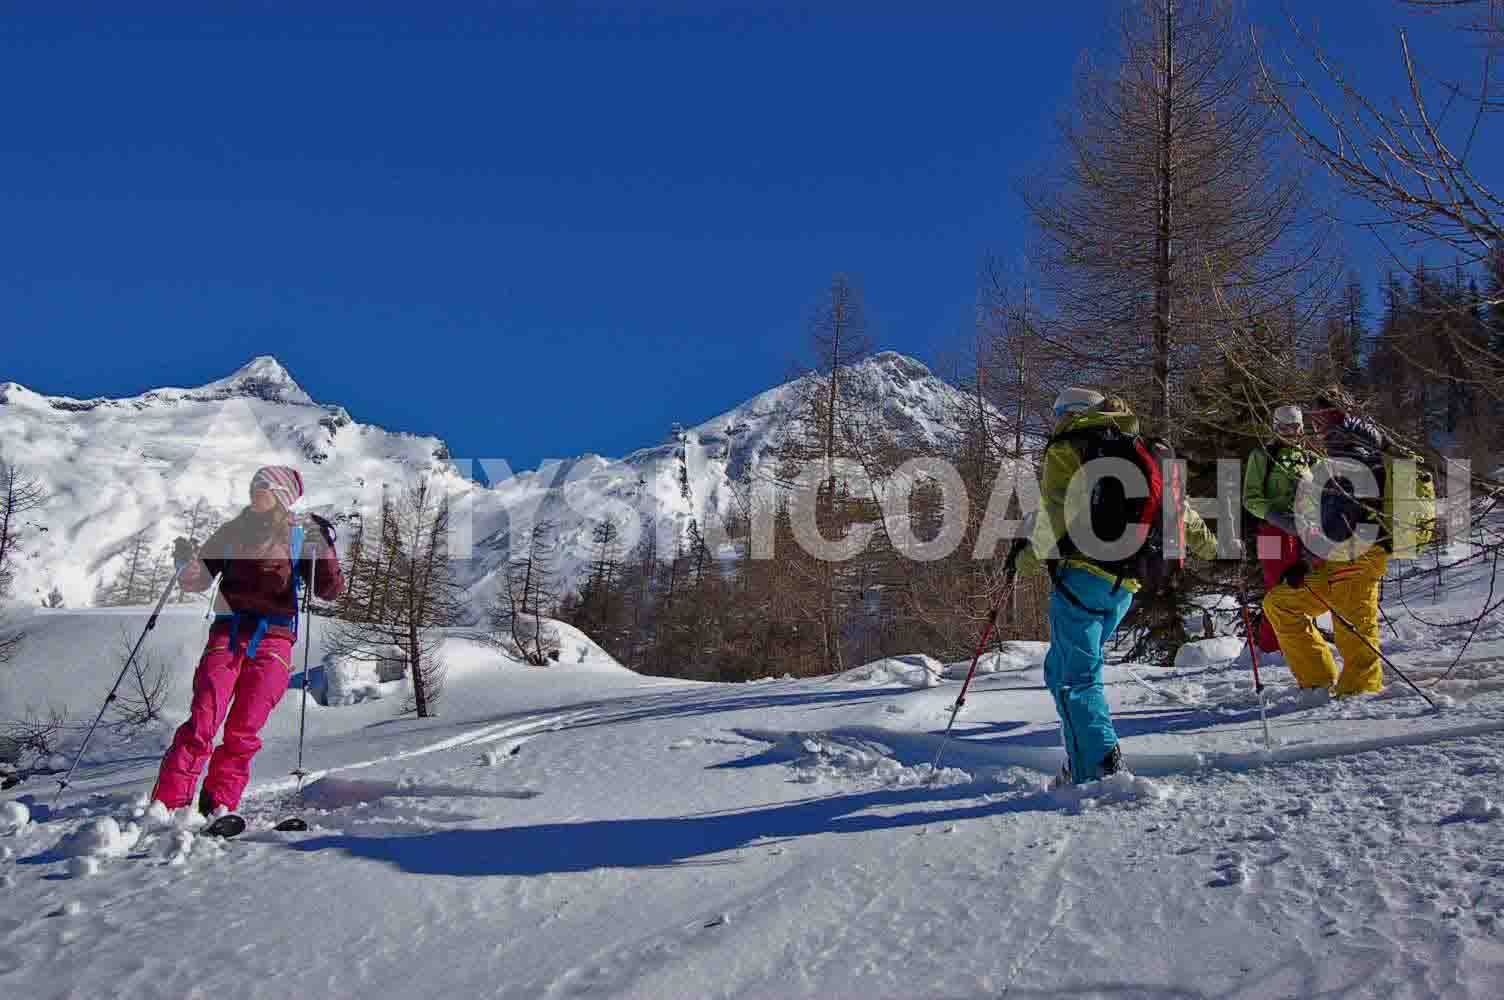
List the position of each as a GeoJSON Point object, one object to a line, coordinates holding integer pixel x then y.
{"type": "Point", "coordinates": [581, 830]}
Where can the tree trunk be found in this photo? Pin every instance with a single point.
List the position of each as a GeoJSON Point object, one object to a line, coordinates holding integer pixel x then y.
{"type": "Point", "coordinates": [1161, 409]}
{"type": "Point", "coordinates": [1018, 421]}
{"type": "Point", "coordinates": [5, 516]}
{"type": "Point", "coordinates": [837, 322]}
{"type": "Point", "coordinates": [415, 665]}
{"type": "Point", "coordinates": [832, 635]}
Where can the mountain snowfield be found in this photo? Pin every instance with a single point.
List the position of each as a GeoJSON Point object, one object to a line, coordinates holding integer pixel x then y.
{"type": "Point", "coordinates": [114, 467]}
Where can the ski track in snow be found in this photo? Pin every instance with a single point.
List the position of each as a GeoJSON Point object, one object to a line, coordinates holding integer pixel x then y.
{"type": "Point", "coordinates": [607, 835]}
{"type": "Point", "coordinates": [473, 738]}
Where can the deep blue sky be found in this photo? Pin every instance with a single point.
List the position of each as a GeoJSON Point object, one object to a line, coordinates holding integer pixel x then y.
{"type": "Point", "coordinates": [533, 234]}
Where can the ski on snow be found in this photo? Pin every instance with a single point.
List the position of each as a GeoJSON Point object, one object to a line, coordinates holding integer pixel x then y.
{"type": "Point", "coordinates": [226, 826]}
{"type": "Point", "coordinates": [231, 825]}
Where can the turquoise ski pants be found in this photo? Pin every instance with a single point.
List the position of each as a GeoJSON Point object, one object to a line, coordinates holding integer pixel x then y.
{"type": "Point", "coordinates": [1073, 666]}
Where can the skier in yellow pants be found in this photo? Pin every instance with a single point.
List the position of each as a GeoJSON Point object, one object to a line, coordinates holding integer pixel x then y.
{"type": "Point", "coordinates": [1353, 589]}
{"type": "Point", "coordinates": [1347, 579]}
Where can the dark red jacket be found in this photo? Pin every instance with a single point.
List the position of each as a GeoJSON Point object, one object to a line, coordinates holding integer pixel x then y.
{"type": "Point", "coordinates": [257, 568]}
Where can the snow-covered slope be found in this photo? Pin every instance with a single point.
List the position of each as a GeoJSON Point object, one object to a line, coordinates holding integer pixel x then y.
{"type": "Point", "coordinates": [578, 830]}
{"type": "Point", "coordinates": [114, 467]}
{"type": "Point", "coordinates": [70, 657]}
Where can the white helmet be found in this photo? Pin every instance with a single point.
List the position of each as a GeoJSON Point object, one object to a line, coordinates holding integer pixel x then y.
{"type": "Point", "coordinates": [1289, 416]}
{"type": "Point", "coordinates": [1077, 400]}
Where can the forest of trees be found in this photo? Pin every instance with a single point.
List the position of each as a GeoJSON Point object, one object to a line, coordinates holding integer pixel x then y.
{"type": "Point", "coordinates": [725, 616]}
{"type": "Point", "coordinates": [1186, 259]}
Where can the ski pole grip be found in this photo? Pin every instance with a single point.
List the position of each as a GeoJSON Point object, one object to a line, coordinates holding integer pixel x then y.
{"type": "Point", "coordinates": [1231, 513]}
{"type": "Point", "coordinates": [1011, 565]}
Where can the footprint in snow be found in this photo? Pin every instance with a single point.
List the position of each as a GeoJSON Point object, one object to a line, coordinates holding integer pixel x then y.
{"type": "Point", "coordinates": [1227, 879]}
{"type": "Point", "coordinates": [1229, 875]}
{"type": "Point", "coordinates": [493, 757]}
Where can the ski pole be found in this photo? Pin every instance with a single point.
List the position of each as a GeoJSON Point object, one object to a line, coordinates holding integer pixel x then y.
{"type": "Point", "coordinates": [213, 597]}
{"type": "Point", "coordinates": [1253, 656]}
{"type": "Point", "coordinates": [151, 623]}
{"type": "Point", "coordinates": [1253, 649]}
{"type": "Point", "coordinates": [997, 609]}
{"type": "Point", "coordinates": [298, 772]}
{"type": "Point", "coordinates": [1377, 652]}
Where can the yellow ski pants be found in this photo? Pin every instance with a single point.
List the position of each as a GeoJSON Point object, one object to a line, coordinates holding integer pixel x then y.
{"type": "Point", "coordinates": [1352, 588]}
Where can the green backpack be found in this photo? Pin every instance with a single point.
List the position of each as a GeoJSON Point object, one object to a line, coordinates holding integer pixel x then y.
{"type": "Point", "coordinates": [1409, 512]}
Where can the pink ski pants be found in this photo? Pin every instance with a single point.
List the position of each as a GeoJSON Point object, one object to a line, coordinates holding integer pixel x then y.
{"type": "Point", "coordinates": [239, 693]}
{"type": "Point", "coordinates": [1277, 551]}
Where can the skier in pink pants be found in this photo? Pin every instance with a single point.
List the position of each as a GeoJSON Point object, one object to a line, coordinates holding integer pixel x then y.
{"type": "Point", "coordinates": [263, 558]}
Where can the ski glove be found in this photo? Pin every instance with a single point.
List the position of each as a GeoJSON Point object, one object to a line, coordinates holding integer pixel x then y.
{"type": "Point", "coordinates": [1295, 574]}
{"type": "Point", "coordinates": [326, 528]}
{"type": "Point", "coordinates": [183, 552]}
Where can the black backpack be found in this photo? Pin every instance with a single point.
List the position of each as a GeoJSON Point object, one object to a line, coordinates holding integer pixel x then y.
{"type": "Point", "coordinates": [1114, 514]}
{"type": "Point", "coordinates": [1343, 512]}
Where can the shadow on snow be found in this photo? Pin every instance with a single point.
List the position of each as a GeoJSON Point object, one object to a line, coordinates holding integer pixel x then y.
{"type": "Point", "coordinates": [663, 842]}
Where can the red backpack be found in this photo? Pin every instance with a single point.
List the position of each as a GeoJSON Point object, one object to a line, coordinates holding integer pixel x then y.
{"type": "Point", "coordinates": [1114, 514]}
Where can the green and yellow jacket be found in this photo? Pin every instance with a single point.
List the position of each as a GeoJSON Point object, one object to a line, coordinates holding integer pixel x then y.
{"type": "Point", "coordinates": [1271, 480]}
{"type": "Point", "coordinates": [1058, 509]}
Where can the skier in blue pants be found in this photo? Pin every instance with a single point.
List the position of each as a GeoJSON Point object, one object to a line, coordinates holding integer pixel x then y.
{"type": "Point", "coordinates": [1073, 669]}
{"type": "Point", "coordinates": [1092, 595]}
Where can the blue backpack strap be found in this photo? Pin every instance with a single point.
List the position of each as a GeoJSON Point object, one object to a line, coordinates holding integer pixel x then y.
{"type": "Point", "coordinates": [256, 637]}
{"type": "Point", "coordinates": [295, 550]}
{"type": "Point", "coordinates": [234, 619]}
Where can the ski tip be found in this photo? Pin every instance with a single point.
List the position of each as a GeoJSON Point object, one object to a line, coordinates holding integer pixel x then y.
{"type": "Point", "coordinates": [291, 825]}
{"type": "Point", "coordinates": [227, 826]}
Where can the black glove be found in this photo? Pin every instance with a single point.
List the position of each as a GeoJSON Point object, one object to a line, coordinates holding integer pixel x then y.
{"type": "Point", "coordinates": [1295, 574]}
{"type": "Point", "coordinates": [183, 551]}
{"type": "Point", "coordinates": [324, 526]}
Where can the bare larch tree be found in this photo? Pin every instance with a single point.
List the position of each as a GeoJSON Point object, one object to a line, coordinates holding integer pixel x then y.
{"type": "Point", "coordinates": [1174, 220]}
{"type": "Point", "coordinates": [527, 595]}
{"type": "Point", "coordinates": [412, 594]}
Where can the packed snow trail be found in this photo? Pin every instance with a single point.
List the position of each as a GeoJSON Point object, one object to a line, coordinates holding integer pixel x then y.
{"type": "Point", "coordinates": [983, 757]}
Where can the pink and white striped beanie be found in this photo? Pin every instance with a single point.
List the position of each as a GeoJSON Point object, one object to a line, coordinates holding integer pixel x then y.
{"type": "Point", "coordinates": [282, 481]}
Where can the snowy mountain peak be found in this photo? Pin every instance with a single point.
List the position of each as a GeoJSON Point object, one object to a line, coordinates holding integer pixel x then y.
{"type": "Point", "coordinates": [263, 377]}
{"type": "Point", "coordinates": [898, 367]}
